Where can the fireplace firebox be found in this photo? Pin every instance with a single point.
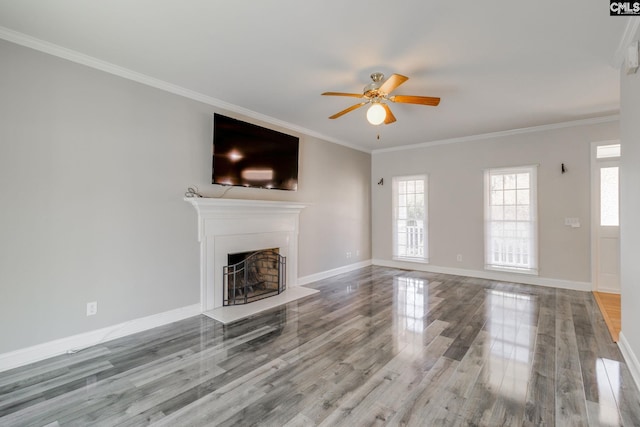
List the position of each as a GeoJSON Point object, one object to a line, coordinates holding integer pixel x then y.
{"type": "Point", "coordinates": [252, 276]}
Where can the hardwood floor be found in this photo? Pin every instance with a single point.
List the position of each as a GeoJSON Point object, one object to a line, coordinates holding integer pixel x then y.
{"type": "Point", "coordinates": [610, 308]}
{"type": "Point", "coordinates": [377, 346]}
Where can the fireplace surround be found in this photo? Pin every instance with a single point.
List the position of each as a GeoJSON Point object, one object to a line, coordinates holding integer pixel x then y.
{"type": "Point", "coordinates": [228, 226]}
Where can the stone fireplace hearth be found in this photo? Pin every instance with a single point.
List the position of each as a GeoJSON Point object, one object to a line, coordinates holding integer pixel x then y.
{"type": "Point", "coordinates": [229, 226]}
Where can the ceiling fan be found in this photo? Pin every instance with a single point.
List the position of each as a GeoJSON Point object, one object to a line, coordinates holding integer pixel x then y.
{"type": "Point", "coordinates": [377, 94]}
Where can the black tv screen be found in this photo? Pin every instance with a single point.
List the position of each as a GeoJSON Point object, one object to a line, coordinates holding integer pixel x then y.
{"type": "Point", "coordinates": [252, 156]}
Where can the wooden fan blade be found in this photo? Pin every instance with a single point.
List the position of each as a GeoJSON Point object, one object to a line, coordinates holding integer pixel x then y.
{"type": "Point", "coordinates": [390, 118]}
{"type": "Point", "coordinates": [392, 82]}
{"type": "Point", "coordinates": [348, 110]}
{"type": "Point", "coordinates": [355, 95]}
{"type": "Point", "coordinates": [409, 99]}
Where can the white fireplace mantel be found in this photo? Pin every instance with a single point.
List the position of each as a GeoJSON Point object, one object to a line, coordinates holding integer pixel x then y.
{"type": "Point", "coordinates": [228, 226]}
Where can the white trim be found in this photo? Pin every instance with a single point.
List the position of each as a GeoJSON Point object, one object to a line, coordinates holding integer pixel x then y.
{"type": "Point", "coordinates": [80, 58]}
{"type": "Point", "coordinates": [531, 267]}
{"type": "Point", "coordinates": [411, 260]}
{"type": "Point", "coordinates": [60, 346]}
{"type": "Point", "coordinates": [630, 358]}
{"type": "Point", "coordinates": [225, 208]}
{"type": "Point", "coordinates": [633, 23]}
{"type": "Point", "coordinates": [90, 61]}
{"type": "Point", "coordinates": [593, 207]}
{"type": "Point", "coordinates": [227, 226]}
{"type": "Point", "coordinates": [305, 280]}
{"type": "Point", "coordinates": [483, 136]}
{"type": "Point", "coordinates": [395, 193]}
{"type": "Point", "coordinates": [594, 177]}
{"type": "Point", "coordinates": [489, 275]}
{"type": "Point", "coordinates": [607, 290]}
{"type": "Point", "coordinates": [529, 271]}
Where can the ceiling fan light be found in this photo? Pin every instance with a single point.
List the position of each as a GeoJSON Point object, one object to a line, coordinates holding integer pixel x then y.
{"type": "Point", "coordinates": [376, 114]}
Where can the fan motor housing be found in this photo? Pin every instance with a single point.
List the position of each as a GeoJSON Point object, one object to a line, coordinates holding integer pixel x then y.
{"type": "Point", "coordinates": [371, 90]}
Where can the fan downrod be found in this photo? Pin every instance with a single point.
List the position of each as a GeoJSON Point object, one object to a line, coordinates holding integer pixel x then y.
{"type": "Point", "coordinates": [377, 77]}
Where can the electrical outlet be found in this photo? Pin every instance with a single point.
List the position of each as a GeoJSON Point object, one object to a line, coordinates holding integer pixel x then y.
{"type": "Point", "coordinates": [348, 254]}
{"type": "Point", "coordinates": [459, 257]}
{"type": "Point", "coordinates": [92, 308]}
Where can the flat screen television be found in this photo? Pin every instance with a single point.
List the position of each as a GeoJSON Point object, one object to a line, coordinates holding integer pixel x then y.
{"type": "Point", "coordinates": [248, 155]}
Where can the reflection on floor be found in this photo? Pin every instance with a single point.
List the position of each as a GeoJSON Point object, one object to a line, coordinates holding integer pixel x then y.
{"type": "Point", "coordinates": [610, 307]}
{"type": "Point", "coordinates": [377, 346]}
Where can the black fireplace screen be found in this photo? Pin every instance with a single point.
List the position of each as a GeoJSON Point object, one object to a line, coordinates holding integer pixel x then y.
{"type": "Point", "coordinates": [256, 276]}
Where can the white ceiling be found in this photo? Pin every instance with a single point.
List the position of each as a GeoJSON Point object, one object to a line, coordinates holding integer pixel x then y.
{"type": "Point", "coordinates": [496, 65]}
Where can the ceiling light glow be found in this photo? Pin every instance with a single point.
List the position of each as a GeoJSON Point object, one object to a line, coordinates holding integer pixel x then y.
{"type": "Point", "coordinates": [376, 114]}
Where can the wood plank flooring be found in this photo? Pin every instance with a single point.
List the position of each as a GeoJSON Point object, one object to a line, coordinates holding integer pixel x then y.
{"type": "Point", "coordinates": [610, 308]}
{"type": "Point", "coordinates": [377, 346]}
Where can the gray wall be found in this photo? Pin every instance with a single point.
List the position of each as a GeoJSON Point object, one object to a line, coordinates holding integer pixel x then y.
{"type": "Point", "coordinates": [93, 169]}
{"type": "Point", "coordinates": [630, 208]}
{"type": "Point", "coordinates": [455, 208]}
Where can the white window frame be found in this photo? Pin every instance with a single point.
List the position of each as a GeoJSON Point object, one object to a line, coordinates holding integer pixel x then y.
{"type": "Point", "coordinates": [397, 213]}
{"type": "Point", "coordinates": [504, 252]}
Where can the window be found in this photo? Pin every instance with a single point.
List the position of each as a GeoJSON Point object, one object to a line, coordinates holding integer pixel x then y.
{"type": "Point", "coordinates": [607, 151]}
{"type": "Point", "coordinates": [510, 219]}
{"type": "Point", "coordinates": [607, 155]}
{"type": "Point", "coordinates": [609, 203]}
{"type": "Point", "coordinates": [410, 218]}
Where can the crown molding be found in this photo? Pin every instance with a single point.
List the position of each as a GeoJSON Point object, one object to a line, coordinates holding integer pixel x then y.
{"type": "Point", "coordinates": [630, 31]}
{"type": "Point", "coordinates": [483, 136]}
{"type": "Point", "coordinates": [90, 61]}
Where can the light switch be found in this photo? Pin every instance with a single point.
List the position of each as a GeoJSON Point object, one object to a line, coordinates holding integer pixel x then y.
{"type": "Point", "coordinates": [572, 222]}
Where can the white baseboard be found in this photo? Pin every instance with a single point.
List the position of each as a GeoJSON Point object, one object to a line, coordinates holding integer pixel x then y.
{"type": "Point", "coordinates": [630, 357]}
{"type": "Point", "coordinates": [330, 273]}
{"type": "Point", "coordinates": [38, 352]}
{"type": "Point", "coordinates": [490, 275]}
{"type": "Point", "coordinates": [609, 291]}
